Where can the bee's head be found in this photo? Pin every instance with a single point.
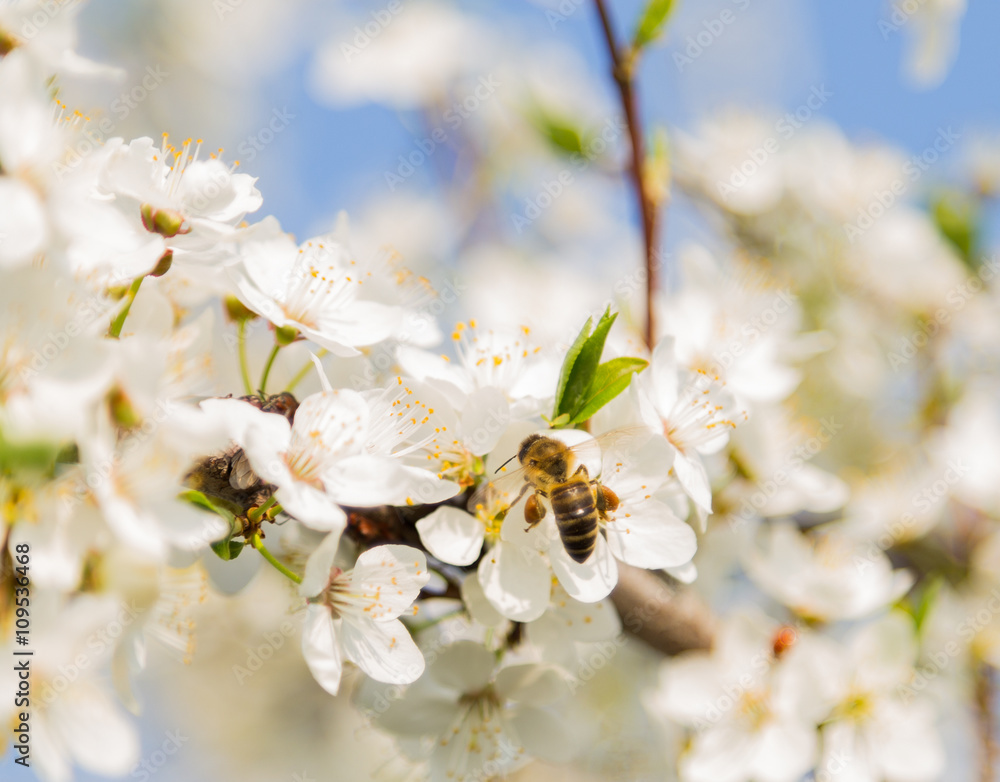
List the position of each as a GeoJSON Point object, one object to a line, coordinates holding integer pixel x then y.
{"type": "Point", "coordinates": [546, 456]}
{"type": "Point", "coordinates": [526, 443]}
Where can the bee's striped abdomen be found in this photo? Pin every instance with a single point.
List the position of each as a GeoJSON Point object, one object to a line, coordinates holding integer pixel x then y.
{"type": "Point", "coordinates": [576, 517]}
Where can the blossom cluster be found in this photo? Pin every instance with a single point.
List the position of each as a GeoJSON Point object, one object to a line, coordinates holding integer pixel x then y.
{"type": "Point", "coordinates": [176, 422]}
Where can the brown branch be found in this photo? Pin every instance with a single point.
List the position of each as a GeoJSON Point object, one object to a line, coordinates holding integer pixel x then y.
{"type": "Point", "coordinates": [985, 723]}
{"type": "Point", "coordinates": [669, 619]}
{"type": "Point", "coordinates": [622, 70]}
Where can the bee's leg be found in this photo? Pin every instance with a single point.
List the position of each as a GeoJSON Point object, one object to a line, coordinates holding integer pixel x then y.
{"type": "Point", "coordinates": [607, 500]}
{"type": "Point", "coordinates": [582, 470]}
{"type": "Point", "coordinates": [534, 511]}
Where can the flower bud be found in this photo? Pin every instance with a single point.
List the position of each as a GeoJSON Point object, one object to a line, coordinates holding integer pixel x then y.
{"type": "Point", "coordinates": [285, 335]}
{"type": "Point", "coordinates": [165, 222]}
{"type": "Point", "coordinates": [163, 265]}
{"type": "Point", "coordinates": [236, 311]}
{"type": "Point", "coordinates": [7, 42]}
{"type": "Point", "coordinates": [122, 411]}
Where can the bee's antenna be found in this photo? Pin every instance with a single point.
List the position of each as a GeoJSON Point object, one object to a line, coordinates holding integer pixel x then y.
{"type": "Point", "coordinates": [512, 458]}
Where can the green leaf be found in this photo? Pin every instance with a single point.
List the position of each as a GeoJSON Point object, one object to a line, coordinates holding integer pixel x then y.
{"type": "Point", "coordinates": [567, 367]}
{"type": "Point", "coordinates": [651, 23]}
{"type": "Point", "coordinates": [559, 132]}
{"type": "Point", "coordinates": [582, 374]}
{"type": "Point", "coordinates": [958, 218]}
{"type": "Point", "coordinates": [928, 595]}
{"type": "Point", "coordinates": [611, 378]}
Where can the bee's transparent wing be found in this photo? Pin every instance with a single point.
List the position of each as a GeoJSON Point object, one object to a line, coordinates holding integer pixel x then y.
{"type": "Point", "coordinates": [621, 447]}
{"type": "Point", "coordinates": [241, 475]}
{"type": "Point", "coordinates": [501, 490]}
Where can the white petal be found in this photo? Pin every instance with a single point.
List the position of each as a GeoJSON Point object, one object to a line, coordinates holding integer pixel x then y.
{"type": "Point", "coordinates": [364, 481]}
{"type": "Point", "coordinates": [637, 463]}
{"type": "Point", "coordinates": [516, 581]}
{"type": "Point", "coordinates": [648, 535]}
{"type": "Point", "coordinates": [358, 324]}
{"type": "Point", "coordinates": [238, 418]}
{"type": "Point", "coordinates": [544, 735]}
{"type": "Point", "coordinates": [686, 573]}
{"type": "Point", "coordinates": [465, 667]}
{"type": "Point", "coordinates": [533, 684]}
{"type": "Point", "coordinates": [321, 649]}
{"type": "Point", "coordinates": [311, 506]}
{"type": "Point", "coordinates": [319, 565]}
{"type": "Point", "coordinates": [383, 650]}
{"type": "Point", "coordinates": [588, 581]}
{"type": "Point", "coordinates": [692, 476]}
{"type": "Point", "coordinates": [664, 375]}
{"type": "Point", "coordinates": [569, 618]}
{"type": "Point", "coordinates": [484, 419]}
{"type": "Point", "coordinates": [395, 573]}
{"type": "Point", "coordinates": [846, 755]}
{"type": "Point", "coordinates": [909, 748]}
{"type": "Point", "coordinates": [785, 752]}
{"type": "Point", "coordinates": [415, 715]}
{"type": "Point", "coordinates": [452, 535]}
{"type": "Point", "coordinates": [720, 754]}
{"type": "Point", "coordinates": [419, 486]}
{"type": "Point", "coordinates": [335, 420]}
{"type": "Point", "coordinates": [97, 734]}
{"type": "Point", "coordinates": [480, 609]}
{"type": "Point", "coordinates": [23, 225]}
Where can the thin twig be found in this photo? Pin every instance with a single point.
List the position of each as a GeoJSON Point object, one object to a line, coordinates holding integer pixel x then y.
{"type": "Point", "coordinates": [622, 68]}
{"type": "Point", "coordinates": [986, 723]}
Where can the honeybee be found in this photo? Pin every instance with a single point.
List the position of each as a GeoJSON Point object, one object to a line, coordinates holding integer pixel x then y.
{"type": "Point", "coordinates": [558, 473]}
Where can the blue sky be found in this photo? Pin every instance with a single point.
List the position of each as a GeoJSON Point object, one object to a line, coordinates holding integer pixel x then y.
{"type": "Point", "coordinates": [769, 58]}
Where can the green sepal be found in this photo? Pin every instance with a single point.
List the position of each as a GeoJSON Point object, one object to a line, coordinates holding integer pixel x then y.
{"type": "Point", "coordinates": [228, 549]}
